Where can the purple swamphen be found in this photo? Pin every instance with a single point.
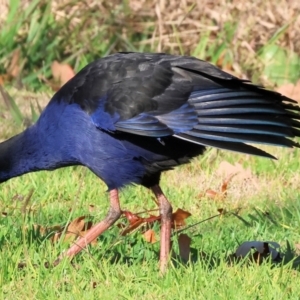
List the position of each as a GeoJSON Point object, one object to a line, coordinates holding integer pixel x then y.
{"type": "Point", "coordinates": [130, 116]}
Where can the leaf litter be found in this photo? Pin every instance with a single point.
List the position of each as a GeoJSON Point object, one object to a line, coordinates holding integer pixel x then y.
{"type": "Point", "coordinates": [255, 251]}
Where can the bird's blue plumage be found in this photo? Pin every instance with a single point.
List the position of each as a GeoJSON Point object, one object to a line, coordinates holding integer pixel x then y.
{"type": "Point", "coordinates": [77, 139]}
{"type": "Point", "coordinates": [102, 119]}
{"type": "Point", "coordinates": [158, 125]}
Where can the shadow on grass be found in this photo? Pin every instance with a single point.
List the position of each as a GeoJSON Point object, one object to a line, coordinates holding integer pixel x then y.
{"type": "Point", "coordinates": [141, 253]}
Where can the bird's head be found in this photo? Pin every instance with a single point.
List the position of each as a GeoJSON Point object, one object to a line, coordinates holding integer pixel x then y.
{"type": "Point", "coordinates": [6, 155]}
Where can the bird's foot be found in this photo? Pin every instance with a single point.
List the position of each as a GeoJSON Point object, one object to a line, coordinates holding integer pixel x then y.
{"type": "Point", "coordinates": [112, 216]}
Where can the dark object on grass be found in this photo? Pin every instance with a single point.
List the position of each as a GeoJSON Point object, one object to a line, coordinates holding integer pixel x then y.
{"type": "Point", "coordinates": [130, 116]}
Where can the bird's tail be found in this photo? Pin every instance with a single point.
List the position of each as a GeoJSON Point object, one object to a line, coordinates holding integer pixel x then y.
{"type": "Point", "coordinates": [230, 118]}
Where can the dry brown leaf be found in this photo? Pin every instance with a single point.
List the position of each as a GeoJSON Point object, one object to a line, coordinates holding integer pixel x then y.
{"type": "Point", "coordinates": [217, 196]}
{"type": "Point", "coordinates": [221, 211]}
{"type": "Point", "coordinates": [225, 184]}
{"type": "Point", "coordinates": [76, 226]}
{"type": "Point", "coordinates": [184, 242]}
{"type": "Point", "coordinates": [76, 229]}
{"type": "Point", "coordinates": [152, 219]}
{"type": "Point", "coordinates": [131, 218]}
{"type": "Point", "coordinates": [134, 222]}
{"type": "Point", "coordinates": [149, 236]}
{"type": "Point", "coordinates": [62, 73]}
{"type": "Point", "coordinates": [2, 79]}
{"type": "Point", "coordinates": [87, 227]}
{"type": "Point", "coordinates": [223, 191]}
{"type": "Point", "coordinates": [290, 90]}
{"type": "Point", "coordinates": [178, 218]}
{"type": "Point", "coordinates": [211, 193]}
{"type": "Point", "coordinates": [14, 68]}
{"type": "Point", "coordinates": [132, 227]}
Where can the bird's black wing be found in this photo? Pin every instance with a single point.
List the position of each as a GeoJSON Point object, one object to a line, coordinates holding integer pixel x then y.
{"type": "Point", "coordinates": [135, 93]}
{"type": "Point", "coordinates": [158, 95]}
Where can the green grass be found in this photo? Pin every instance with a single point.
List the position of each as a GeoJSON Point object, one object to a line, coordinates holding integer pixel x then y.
{"type": "Point", "coordinates": [127, 267]}
{"type": "Point", "coordinates": [42, 35]}
{"type": "Point", "coordinates": [36, 33]}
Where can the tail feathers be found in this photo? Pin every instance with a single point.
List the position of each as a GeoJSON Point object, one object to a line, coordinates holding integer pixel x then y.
{"type": "Point", "coordinates": [228, 119]}
{"type": "Point", "coordinates": [246, 129]}
{"type": "Point", "coordinates": [239, 110]}
{"type": "Point", "coordinates": [232, 146]}
{"type": "Point", "coordinates": [243, 137]}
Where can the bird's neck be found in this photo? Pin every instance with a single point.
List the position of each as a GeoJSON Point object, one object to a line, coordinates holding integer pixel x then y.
{"type": "Point", "coordinates": [25, 153]}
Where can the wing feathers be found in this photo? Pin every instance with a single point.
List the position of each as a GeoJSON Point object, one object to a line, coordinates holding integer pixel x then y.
{"type": "Point", "coordinates": [237, 147]}
{"type": "Point", "coordinates": [242, 137]}
{"type": "Point", "coordinates": [229, 118]}
{"type": "Point", "coordinates": [157, 95]}
{"type": "Point", "coordinates": [144, 124]}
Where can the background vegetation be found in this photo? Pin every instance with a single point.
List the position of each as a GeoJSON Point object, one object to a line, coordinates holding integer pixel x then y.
{"type": "Point", "coordinates": [258, 40]}
{"type": "Point", "coordinates": [242, 37]}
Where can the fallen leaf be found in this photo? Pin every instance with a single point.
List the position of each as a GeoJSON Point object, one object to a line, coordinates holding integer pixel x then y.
{"type": "Point", "coordinates": [61, 72]}
{"type": "Point", "coordinates": [179, 216]}
{"type": "Point", "coordinates": [149, 236]}
{"type": "Point", "coordinates": [184, 242]}
{"type": "Point", "coordinates": [2, 79]}
{"type": "Point", "coordinates": [225, 184]}
{"type": "Point", "coordinates": [223, 191]}
{"type": "Point", "coordinates": [152, 219]}
{"type": "Point", "coordinates": [211, 193]}
{"type": "Point", "coordinates": [87, 226]}
{"type": "Point", "coordinates": [132, 218]}
{"type": "Point", "coordinates": [134, 222]}
{"type": "Point", "coordinates": [75, 229]}
{"type": "Point", "coordinates": [178, 220]}
{"type": "Point", "coordinates": [76, 226]}
{"type": "Point", "coordinates": [222, 211]}
{"type": "Point", "coordinates": [14, 68]}
{"type": "Point", "coordinates": [132, 227]}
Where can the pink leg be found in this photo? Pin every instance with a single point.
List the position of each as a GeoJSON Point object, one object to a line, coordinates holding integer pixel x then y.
{"type": "Point", "coordinates": [165, 209]}
{"type": "Point", "coordinates": [112, 216]}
